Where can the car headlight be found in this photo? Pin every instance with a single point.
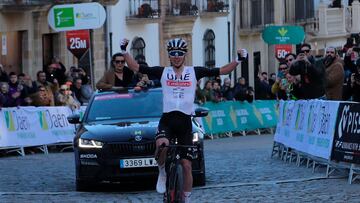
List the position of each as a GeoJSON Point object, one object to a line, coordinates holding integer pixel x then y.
{"type": "Point", "coordinates": [86, 143]}
{"type": "Point", "coordinates": [197, 136]}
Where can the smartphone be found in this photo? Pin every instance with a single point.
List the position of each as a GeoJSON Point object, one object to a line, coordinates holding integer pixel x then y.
{"type": "Point", "coordinates": [280, 74]}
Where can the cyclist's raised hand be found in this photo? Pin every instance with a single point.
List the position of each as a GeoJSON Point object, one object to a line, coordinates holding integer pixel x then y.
{"type": "Point", "coordinates": [123, 44]}
{"type": "Point", "coordinates": [241, 55]}
{"type": "Point", "coordinates": [131, 63]}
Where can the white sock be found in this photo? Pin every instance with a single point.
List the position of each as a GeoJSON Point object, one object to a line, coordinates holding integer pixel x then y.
{"type": "Point", "coordinates": [187, 196]}
{"type": "Point", "coordinates": [162, 169]}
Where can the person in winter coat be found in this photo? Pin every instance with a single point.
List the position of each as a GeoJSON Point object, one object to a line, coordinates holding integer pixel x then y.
{"type": "Point", "coordinates": [334, 75]}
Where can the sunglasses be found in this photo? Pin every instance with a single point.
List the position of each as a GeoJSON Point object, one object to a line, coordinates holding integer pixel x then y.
{"type": "Point", "coordinates": [282, 68]}
{"type": "Point", "coordinates": [120, 61]}
{"type": "Point", "coordinates": [289, 60]}
{"type": "Point", "coordinates": [305, 51]}
{"type": "Point", "coordinates": [176, 53]}
{"type": "Point", "coordinates": [330, 52]}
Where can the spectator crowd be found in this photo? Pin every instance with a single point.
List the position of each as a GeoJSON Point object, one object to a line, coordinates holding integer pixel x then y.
{"type": "Point", "coordinates": [53, 86]}
{"type": "Point", "coordinates": [335, 75]}
{"type": "Point", "coordinates": [301, 75]}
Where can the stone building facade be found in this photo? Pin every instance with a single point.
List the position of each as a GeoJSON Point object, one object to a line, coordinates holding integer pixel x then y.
{"type": "Point", "coordinates": [28, 42]}
{"type": "Point", "coordinates": [323, 25]}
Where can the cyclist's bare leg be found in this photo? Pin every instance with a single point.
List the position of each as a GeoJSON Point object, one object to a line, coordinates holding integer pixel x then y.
{"type": "Point", "coordinates": [188, 179]}
{"type": "Point", "coordinates": [162, 156]}
{"type": "Point", "coordinates": [161, 182]}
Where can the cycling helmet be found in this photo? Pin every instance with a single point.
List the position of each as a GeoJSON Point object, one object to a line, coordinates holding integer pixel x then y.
{"type": "Point", "coordinates": [177, 44]}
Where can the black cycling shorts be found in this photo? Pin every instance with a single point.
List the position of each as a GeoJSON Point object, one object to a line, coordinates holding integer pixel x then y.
{"type": "Point", "coordinates": [178, 125]}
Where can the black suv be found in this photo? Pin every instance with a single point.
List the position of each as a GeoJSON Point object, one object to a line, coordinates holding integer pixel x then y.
{"type": "Point", "coordinates": [114, 140]}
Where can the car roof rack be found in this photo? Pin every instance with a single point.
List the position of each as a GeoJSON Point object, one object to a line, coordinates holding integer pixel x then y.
{"type": "Point", "coordinates": [116, 89]}
{"type": "Point", "coordinates": [124, 90]}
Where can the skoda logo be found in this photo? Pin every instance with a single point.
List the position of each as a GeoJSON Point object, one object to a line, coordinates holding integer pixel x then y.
{"type": "Point", "coordinates": [138, 138]}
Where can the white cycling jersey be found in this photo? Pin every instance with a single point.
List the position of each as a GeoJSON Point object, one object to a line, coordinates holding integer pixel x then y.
{"type": "Point", "coordinates": [178, 92]}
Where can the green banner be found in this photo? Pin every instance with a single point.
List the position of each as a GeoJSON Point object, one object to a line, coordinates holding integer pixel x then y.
{"type": "Point", "coordinates": [218, 119]}
{"type": "Point", "coordinates": [235, 116]}
{"type": "Point", "coordinates": [283, 34]}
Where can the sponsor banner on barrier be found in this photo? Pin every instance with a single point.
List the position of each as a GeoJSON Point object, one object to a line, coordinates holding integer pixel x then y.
{"type": "Point", "coordinates": [53, 120]}
{"type": "Point", "coordinates": [33, 126]}
{"type": "Point", "coordinates": [285, 118]}
{"type": "Point", "coordinates": [218, 119]}
{"type": "Point", "coordinates": [266, 112]}
{"type": "Point", "coordinates": [240, 116]}
{"type": "Point", "coordinates": [346, 145]}
{"type": "Point", "coordinates": [20, 126]}
{"type": "Point", "coordinates": [307, 126]}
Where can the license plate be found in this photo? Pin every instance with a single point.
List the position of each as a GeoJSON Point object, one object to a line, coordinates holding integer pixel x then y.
{"type": "Point", "coordinates": [137, 163]}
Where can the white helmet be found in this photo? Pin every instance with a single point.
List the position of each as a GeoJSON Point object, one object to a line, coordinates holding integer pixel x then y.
{"type": "Point", "coordinates": [177, 44]}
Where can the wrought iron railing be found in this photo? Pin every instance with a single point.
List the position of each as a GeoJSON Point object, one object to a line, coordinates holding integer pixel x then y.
{"type": "Point", "coordinates": [144, 8]}
{"type": "Point", "coordinates": [151, 8]}
{"type": "Point", "coordinates": [194, 7]}
{"type": "Point", "coordinates": [25, 2]}
{"type": "Point", "coordinates": [47, 2]}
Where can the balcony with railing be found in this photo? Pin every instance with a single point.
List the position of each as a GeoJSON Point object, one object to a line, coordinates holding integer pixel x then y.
{"type": "Point", "coordinates": [144, 9]}
{"type": "Point", "coordinates": [151, 8]}
{"type": "Point", "coordinates": [337, 21]}
{"type": "Point", "coordinates": [196, 7]}
{"type": "Point", "coordinates": [21, 5]}
{"type": "Point", "coordinates": [46, 2]}
{"type": "Point", "coordinates": [25, 2]}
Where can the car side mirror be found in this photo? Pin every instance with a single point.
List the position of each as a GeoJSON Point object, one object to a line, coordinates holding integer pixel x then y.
{"type": "Point", "coordinates": [201, 112]}
{"type": "Point", "coordinates": [74, 119]}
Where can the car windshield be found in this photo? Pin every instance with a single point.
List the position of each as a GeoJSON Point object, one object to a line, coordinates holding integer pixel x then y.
{"type": "Point", "coordinates": [130, 105]}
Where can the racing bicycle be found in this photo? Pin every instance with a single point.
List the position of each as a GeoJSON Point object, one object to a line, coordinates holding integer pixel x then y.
{"type": "Point", "coordinates": [174, 172]}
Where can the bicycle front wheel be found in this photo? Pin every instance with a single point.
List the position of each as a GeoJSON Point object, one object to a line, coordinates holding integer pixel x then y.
{"type": "Point", "coordinates": [175, 185]}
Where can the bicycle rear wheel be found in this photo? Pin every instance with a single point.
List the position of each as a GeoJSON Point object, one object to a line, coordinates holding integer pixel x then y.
{"type": "Point", "coordinates": [175, 181]}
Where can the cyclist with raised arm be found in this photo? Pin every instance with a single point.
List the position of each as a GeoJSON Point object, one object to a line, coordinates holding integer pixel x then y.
{"type": "Point", "coordinates": [178, 85]}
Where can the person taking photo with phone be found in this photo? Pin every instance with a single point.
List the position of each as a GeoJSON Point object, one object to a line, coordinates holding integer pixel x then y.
{"type": "Point", "coordinates": [312, 73]}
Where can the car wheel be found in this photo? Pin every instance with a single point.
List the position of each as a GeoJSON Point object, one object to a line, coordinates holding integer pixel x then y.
{"type": "Point", "coordinates": [82, 185]}
{"type": "Point", "coordinates": [200, 180]}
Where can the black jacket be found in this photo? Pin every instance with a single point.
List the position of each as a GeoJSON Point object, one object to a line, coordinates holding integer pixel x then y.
{"type": "Point", "coordinates": [312, 83]}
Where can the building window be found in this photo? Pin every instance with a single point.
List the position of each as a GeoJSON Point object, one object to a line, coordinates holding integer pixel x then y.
{"type": "Point", "coordinates": [268, 11]}
{"type": "Point", "coordinates": [209, 44]}
{"type": "Point", "coordinates": [138, 49]}
{"type": "Point", "coordinates": [304, 9]}
{"type": "Point", "coordinates": [256, 13]}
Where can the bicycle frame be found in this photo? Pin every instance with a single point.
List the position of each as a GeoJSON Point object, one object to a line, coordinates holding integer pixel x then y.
{"type": "Point", "coordinates": [174, 179]}
{"type": "Point", "coordinates": [174, 173]}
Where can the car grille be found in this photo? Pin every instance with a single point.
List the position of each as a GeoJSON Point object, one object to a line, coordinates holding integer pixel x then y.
{"type": "Point", "coordinates": [133, 149]}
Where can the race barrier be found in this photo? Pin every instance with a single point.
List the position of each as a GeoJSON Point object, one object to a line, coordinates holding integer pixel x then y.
{"type": "Point", "coordinates": [235, 116]}
{"type": "Point", "coordinates": [320, 132]}
{"type": "Point", "coordinates": [41, 126]}
{"type": "Point", "coordinates": [35, 126]}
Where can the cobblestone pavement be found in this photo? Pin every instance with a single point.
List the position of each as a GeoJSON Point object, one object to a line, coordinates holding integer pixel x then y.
{"type": "Point", "coordinates": [239, 169]}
